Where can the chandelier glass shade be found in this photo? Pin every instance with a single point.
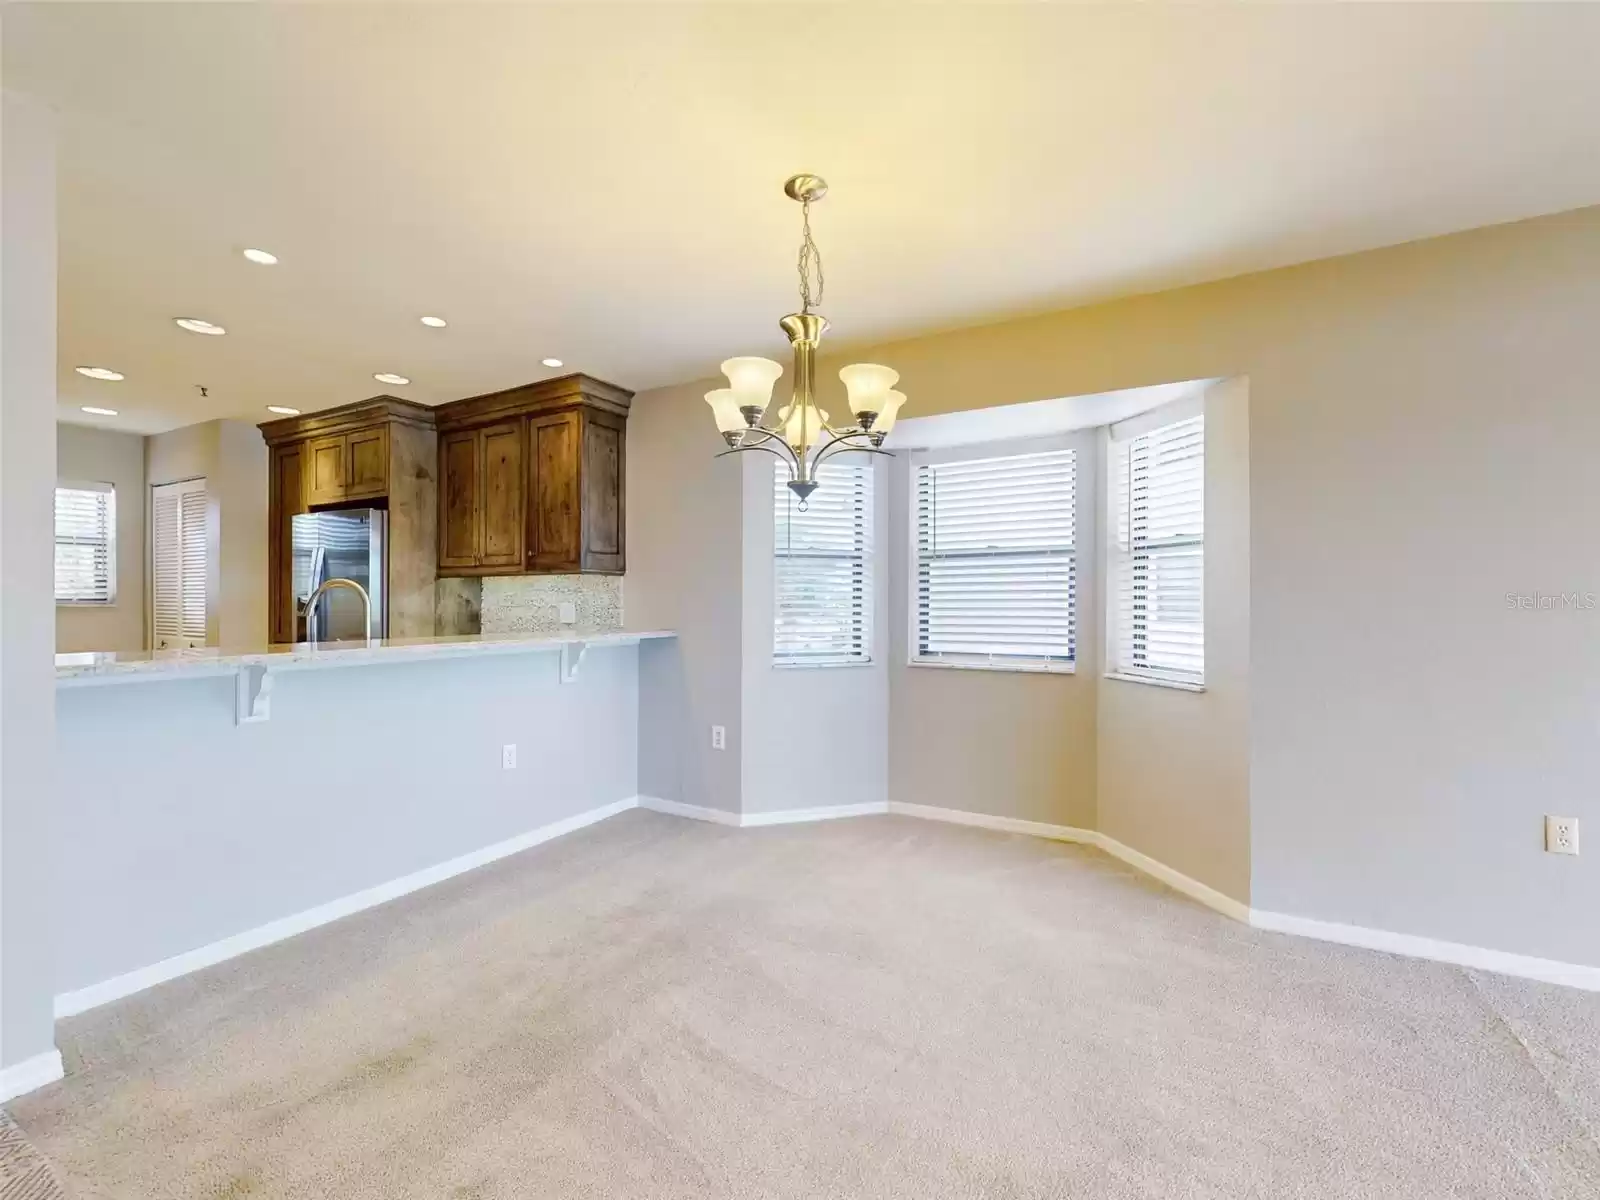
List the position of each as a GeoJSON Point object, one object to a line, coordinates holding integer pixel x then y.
{"type": "Point", "coordinates": [799, 431]}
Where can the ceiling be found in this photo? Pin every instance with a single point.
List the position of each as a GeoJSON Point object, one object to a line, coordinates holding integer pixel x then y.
{"type": "Point", "coordinates": [601, 183]}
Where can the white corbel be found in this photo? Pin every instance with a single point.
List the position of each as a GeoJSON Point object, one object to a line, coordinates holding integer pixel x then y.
{"type": "Point", "coordinates": [252, 697]}
{"type": "Point", "coordinates": [571, 655]}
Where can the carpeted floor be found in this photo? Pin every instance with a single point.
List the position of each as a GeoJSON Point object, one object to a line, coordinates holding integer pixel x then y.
{"type": "Point", "coordinates": [879, 1007]}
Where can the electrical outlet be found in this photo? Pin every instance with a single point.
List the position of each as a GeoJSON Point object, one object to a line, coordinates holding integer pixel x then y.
{"type": "Point", "coordinates": [1561, 835]}
{"type": "Point", "coordinates": [508, 757]}
{"type": "Point", "coordinates": [719, 737]}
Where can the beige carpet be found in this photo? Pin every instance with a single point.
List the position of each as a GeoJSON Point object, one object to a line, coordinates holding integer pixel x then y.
{"type": "Point", "coordinates": [880, 1007]}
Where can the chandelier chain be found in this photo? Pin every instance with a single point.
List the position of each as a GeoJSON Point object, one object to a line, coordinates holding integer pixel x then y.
{"type": "Point", "coordinates": [810, 264]}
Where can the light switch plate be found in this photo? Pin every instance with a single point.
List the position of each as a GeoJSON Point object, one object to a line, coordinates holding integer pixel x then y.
{"type": "Point", "coordinates": [567, 612]}
{"type": "Point", "coordinates": [1561, 835]}
{"type": "Point", "coordinates": [508, 757]}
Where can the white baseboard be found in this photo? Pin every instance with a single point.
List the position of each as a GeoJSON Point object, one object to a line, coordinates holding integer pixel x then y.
{"type": "Point", "coordinates": [71, 1003]}
{"type": "Point", "coordinates": [794, 816]}
{"type": "Point", "coordinates": [957, 816]}
{"type": "Point", "coordinates": [29, 1074]}
{"type": "Point", "coordinates": [1176, 880]}
{"type": "Point", "coordinates": [1501, 962]}
{"type": "Point", "coordinates": [676, 808]}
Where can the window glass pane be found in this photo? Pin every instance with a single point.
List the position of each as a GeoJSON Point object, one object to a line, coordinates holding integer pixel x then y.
{"type": "Point", "coordinates": [823, 568]}
{"type": "Point", "coordinates": [996, 560]}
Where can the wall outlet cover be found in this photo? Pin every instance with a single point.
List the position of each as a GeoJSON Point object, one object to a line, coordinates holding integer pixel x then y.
{"type": "Point", "coordinates": [1561, 835]}
{"type": "Point", "coordinates": [719, 737]}
{"type": "Point", "coordinates": [508, 757]}
{"type": "Point", "coordinates": [567, 612]}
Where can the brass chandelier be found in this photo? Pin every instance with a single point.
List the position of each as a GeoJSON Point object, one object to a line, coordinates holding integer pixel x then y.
{"type": "Point", "coordinates": [798, 432]}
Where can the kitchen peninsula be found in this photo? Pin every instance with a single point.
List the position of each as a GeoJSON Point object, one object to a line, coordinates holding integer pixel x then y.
{"type": "Point", "coordinates": [219, 801]}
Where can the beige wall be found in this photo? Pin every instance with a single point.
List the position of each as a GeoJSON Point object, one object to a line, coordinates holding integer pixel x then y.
{"type": "Point", "coordinates": [1006, 743]}
{"type": "Point", "coordinates": [684, 564]}
{"type": "Point", "coordinates": [232, 458]}
{"type": "Point", "coordinates": [89, 455]}
{"type": "Point", "coordinates": [812, 737]}
{"type": "Point", "coordinates": [1422, 432]}
{"type": "Point", "coordinates": [1174, 766]}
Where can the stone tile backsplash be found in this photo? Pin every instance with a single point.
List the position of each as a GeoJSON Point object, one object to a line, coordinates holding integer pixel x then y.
{"type": "Point", "coordinates": [532, 603]}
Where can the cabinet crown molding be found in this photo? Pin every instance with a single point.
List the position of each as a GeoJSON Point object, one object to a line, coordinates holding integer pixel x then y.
{"type": "Point", "coordinates": [532, 399]}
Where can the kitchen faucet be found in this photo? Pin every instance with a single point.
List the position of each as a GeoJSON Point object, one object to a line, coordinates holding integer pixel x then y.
{"type": "Point", "coordinates": [327, 586]}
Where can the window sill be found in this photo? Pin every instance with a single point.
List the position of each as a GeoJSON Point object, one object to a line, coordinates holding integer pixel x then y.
{"type": "Point", "coordinates": [819, 666]}
{"type": "Point", "coordinates": [1177, 685]}
{"type": "Point", "coordinates": [1021, 668]}
{"type": "Point", "coordinates": [86, 603]}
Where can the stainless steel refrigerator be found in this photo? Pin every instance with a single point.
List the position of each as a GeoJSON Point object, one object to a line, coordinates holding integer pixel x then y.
{"type": "Point", "coordinates": [348, 544]}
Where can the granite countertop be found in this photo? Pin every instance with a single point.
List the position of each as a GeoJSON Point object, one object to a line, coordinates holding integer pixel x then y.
{"type": "Point", "coordinates": [108, 667]}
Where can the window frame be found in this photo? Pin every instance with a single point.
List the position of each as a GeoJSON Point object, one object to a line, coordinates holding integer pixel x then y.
{"type": "Point", "coordinates": [866, 553]}
{"type": "Point", "coordinates": [1119, 439]}
{"type": "Point", "coordinates": [1010, 448]}
{"type": "Point", "coordinates": [100, 487]}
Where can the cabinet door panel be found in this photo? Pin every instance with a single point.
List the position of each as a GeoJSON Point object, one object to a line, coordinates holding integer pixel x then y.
{"type": "Point", "coordinates": [324, 469]}
{"type": "Point", "coordinates": [500, 537]}
{"type": "Point", "coordinates": [368, 464]}
{"type": "Point", "coordinates": [554, 511]}
{"type": "Point", "coordinates": [285, 499]}
{"type": "Point", "coordinates": [458, 500]}
{"type": "Point", "coordinates": [603, 474]}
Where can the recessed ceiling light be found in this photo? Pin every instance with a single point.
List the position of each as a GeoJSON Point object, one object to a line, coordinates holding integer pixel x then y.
{"type": "Point", "coordinates": [283, 411]}
{"type": "Point", "coordinates": [99, 412]}
{"type": "Point", "coordinates": [435, 322]}
{"type": "Point", "coordinates": [264, 257]}
{"type": "Point", "coordinates": [552, 362]}
{"type": "Point", "coordinates": [101, 373]}
{"type": "Point", "coordinates": [196, 325]}
{"type": "Point", "coordinates": [386, 377]}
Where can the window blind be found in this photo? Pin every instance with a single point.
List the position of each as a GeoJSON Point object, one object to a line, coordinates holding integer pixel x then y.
{"type": "Point", "coordinates": [823, 568]}
{"type": "Point", "coordinates": [178, 564]}
{"type": "Point", "coordinates": [86, 544]}
{"type": "Point", "coordinates": [1158, 577]}
{"type": "Point", "coordinates": [997, 561]}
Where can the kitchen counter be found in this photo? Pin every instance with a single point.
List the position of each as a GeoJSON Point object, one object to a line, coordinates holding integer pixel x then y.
{"type": "Point", "coordinates": [76, 670]}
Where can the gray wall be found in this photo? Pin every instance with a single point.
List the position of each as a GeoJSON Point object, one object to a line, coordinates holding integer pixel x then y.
{"type": "Point", "coordinates": [1174, 766]}
{"type": "Point", "coordinates": [813, 736]}
{"type": "Point", "coordinates": [27, 553]}
{"type": "Point", "coordinates": [1007, 743]}
{"type": "Point", "coordinates": [684, 562]}
{"type": "Point", "coordinates": [178, 828]}
{"type": "Point", "coordinates": [89, 455]}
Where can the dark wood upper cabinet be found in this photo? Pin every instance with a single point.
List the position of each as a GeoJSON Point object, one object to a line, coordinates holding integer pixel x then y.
{"type": "Point", "coordinates": [545, 492]}
{"type": "Point", "coordinates": [458, 500]}
{"type": "Point", "coordinates": [367, 464]}
{"type": "Point", "coordinates": [325, 462]}
{"type": "Point", "coordinates": [501, 513]}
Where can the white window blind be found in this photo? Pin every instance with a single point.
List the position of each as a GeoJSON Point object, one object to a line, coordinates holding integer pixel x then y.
{"type": "Point", "coordinates": [178, 564]}
{"type": "Point", "coordinates": [823, 568]}
{"type": "Point", "coordinates": [86, 543]}
{"type": "Point", "coordinates": [1157, 605]}
{"type": "Point", "coordinates": [997, 562]}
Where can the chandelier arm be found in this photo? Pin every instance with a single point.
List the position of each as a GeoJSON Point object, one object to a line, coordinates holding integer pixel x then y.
{"type": "Point", "coordinates": [786, 459]}
{"type": "Point", "coordinates": [830, 450]}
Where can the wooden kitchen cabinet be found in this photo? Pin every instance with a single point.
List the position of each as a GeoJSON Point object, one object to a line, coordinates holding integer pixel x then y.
{"type": "Point", "coordinates": [481, 492]}
{"type": "Point", "coordinates": [347, 466]}
{"type": "Point", "coordinates": [531, 480]}
{"type": "Point", "coordinates": [381, 453]}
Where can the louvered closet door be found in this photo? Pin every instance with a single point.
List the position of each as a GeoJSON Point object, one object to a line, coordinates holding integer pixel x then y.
{"type": "Point", "coordinates": [178, 564]}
